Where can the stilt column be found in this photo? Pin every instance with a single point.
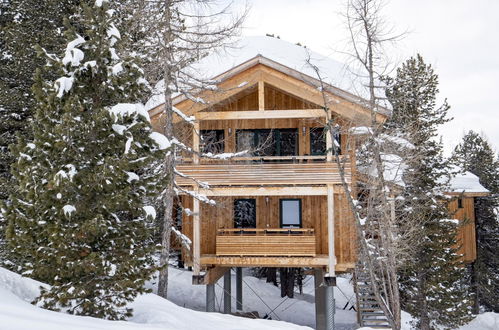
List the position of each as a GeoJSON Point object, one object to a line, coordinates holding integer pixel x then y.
{"type": "Point", "coordinates": [227, 292]}
{"type": "Point", "coordinates": [239, 288]}
{"type": "Point", "coordinates": [210, 297]}
{"type": "Point", "coordinates": [320, 300]}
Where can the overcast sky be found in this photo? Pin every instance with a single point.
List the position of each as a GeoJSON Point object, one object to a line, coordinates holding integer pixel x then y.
{"type": "Point", "coordinates": [460, 38]}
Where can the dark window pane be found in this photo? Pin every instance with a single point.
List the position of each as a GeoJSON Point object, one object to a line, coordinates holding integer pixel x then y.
{"type": "Point", "coordinates": [212, 141]}
{"type": "Point", "coordinates": [265, 143]}
{"type": "Point", "coordinates": [317, 141]}
{"type": "Point", "coordinates": [288, 139]}
{"type": "Point", "coordinates": [245, 140]}
{"type": "Point", "coordinates": [244, 213]}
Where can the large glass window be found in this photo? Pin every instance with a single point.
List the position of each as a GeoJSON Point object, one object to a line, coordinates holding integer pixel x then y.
{"type": "Point", "coordinates": [290, 211]}
{"type": "Point", "coordinates": [212, 141]}
{"type": "Point", "coordinates": [244, 213]}
{"type": "Point", "coordinates": [318, 140]}
{"type": "Point", "coordinates": [266, 142]}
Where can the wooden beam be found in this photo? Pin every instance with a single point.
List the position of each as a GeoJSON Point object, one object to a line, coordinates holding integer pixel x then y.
{"type": "Point", "coordinates": [213, 274]}
{"type": "Point", "coordinates": [261, 96]}
{"type": "Point", "coordinates": [261, 114]}
{"type": "Point", "coordinates": [265, 191]}
{"type": "Point", "coordinates": [317, 261]}
{"type": "Point", "coordinates": [196, 237]}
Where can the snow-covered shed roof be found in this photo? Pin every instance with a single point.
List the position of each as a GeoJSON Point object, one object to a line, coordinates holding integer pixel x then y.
{"type": "Point", "coordinates": [282, 56]}
{"type": "Point", "coordinates": [467, 183]}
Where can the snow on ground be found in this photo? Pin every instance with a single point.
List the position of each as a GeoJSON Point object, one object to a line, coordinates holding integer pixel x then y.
{"type": "Point", "coordinates": [154, 313]}
{"type": "Point", "coordinates": [263, 297]}
{"type": "Point", "coordinates": [150, 312]}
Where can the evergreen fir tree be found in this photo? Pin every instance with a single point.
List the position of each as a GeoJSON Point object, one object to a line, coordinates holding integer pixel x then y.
{"type": "Point", "coordinates": [433, 283]}
{"type": "Point", "coordinates": [23, 24]}
{"type": "Point", "coordinates": [77, 219]}
{"type": "Point", "coordinates": [475, 155]}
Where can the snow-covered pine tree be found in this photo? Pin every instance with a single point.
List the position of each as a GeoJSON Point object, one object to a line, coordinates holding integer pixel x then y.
{"type": "Point", "coordinates": [23, 23]}
{"type": "Point", "coordinates": [476, 155]}
{"type": "Point", "coordinates": [77, 219]}
{"type": "Point", "coordinates": [433, 283]}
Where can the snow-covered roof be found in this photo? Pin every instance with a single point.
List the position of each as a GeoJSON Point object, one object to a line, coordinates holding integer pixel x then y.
{"type": "Point", "coordinates": [280, 55]}
{"type": "Point", "coordinates": [468, 183]}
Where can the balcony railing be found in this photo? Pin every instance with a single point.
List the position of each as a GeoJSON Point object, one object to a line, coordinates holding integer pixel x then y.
{"type": "Point", "coordinates": [266, 242]}
{"type": "Point", "coordinates": [304, 170]}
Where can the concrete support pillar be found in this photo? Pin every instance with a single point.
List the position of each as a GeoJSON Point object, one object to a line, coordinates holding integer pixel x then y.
{"type": "Point", "coordinates": [210, 297]}
{"type": "Point", "coordinates": [329, 306]}
{"type": "Point", "coordinates": [320, 300]}
{"type": "Point", "coordinates": [227, 292]}
{"type": "Point", "coordinates": [239, 289]}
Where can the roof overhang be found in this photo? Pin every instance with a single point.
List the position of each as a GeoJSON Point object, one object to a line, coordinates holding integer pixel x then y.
{"type": "Point", "coordinates": [316, 83]}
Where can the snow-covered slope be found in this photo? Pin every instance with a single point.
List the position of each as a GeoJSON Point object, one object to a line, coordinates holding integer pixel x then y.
{"type": "Point", "coordinates": [150, 312]}
{"type": "Point", "coordinates": [154, 313]}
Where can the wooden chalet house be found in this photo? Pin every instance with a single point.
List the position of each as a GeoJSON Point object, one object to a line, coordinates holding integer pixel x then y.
{"type": "Point", "coordinates": [280, 204]}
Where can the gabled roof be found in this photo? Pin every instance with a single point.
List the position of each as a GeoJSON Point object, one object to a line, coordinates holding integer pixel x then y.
{"type": "Point", "coordinates": [280, 55]}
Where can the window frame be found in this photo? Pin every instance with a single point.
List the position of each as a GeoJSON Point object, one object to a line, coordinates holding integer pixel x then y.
{"type": "Point", "coordinates": [234, 212]}
{"type": "Point", "coordinates": [276, 136]}
{"type": "Point", "coordinates": [281, 200]}
{"type": "Point", "coordinates": [203, 146]}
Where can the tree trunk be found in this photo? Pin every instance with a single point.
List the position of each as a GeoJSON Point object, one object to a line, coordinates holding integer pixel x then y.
{"type": "Point", "coordinates": [424, 320]}
{"type": "Point", "coordinates": [169, 162]}
{"type": "Point", "coordinates": [169, 172]}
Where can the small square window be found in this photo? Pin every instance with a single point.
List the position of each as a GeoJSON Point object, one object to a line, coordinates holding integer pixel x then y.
{"type": "Point", "coordinates": [244, 213]}
{"type": "Point", "coordinates": [290, 211]}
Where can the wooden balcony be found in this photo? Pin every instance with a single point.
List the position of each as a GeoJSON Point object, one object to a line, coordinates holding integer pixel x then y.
{"type": "Point", "coordinates": [301, 170]}
{"type": "Point", "coordinates": [250, 242]}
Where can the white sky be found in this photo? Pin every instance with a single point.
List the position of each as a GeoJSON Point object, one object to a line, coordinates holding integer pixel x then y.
{"type": "Point", "coordinates": [460, 38]}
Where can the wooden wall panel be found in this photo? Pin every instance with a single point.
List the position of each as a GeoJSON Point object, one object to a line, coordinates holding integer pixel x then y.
{"type": "Point", "coordinates": [466, 235]}
{"type": "Point", "coordinates": [314, 215]}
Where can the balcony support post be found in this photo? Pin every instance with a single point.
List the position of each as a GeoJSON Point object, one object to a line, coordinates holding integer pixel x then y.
{"type": "Point", "coordinates": [227, 292]}
{"type": "Point", "coordinates": [330, 231]}
{"type": "Point", "coordinates": [239, 289]}
{"type": "Point", "coordinates": [320, 312]}
{"type": "Point", "coordinates": [210, 297]}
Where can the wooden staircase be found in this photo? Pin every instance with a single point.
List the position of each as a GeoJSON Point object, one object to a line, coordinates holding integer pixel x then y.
{"type": "Point", "coordinates": [369, 313]}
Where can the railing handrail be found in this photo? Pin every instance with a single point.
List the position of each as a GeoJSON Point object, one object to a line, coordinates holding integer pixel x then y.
{"type": "Point", "coordinates": [184, 160]}
{"type": "Point", "coordinates": [265, 231]}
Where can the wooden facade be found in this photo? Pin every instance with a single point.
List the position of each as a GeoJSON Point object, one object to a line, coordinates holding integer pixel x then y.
{"type": "Point", "coordinates": [259, 97]}
{"type": "Point", "coordinates": [463, 209]}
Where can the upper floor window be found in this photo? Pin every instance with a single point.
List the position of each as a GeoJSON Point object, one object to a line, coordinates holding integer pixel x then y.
{"type": "Point", "coordinates": [318, 140]}
{"type": "Point", "coordinates": [266, 142]}
{"type": "Point", "coordinates": [212, 141]}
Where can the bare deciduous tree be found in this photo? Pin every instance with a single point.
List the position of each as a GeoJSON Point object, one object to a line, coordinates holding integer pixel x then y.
{"type": "Point", "coordinates": [171, 35]}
